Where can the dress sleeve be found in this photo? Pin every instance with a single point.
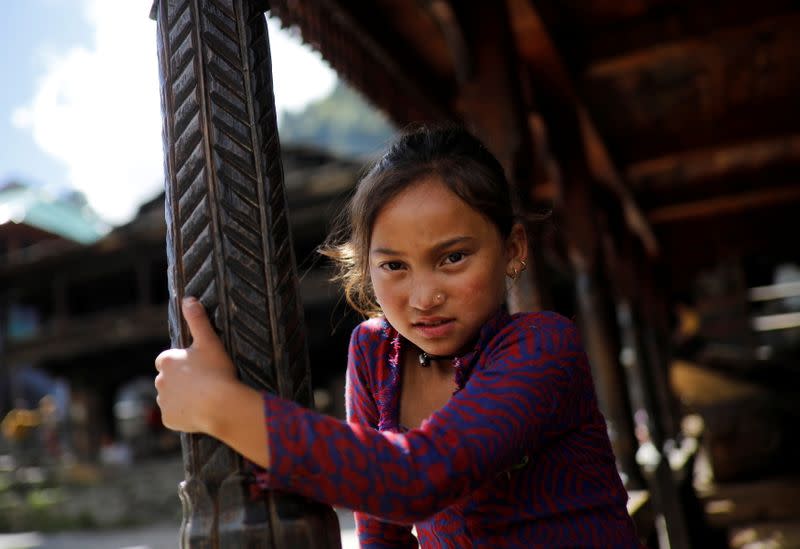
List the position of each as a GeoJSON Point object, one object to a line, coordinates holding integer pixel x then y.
{"type": "Point", "coordinates": [362, 410]}
{"type": "Point", "coordinates": [513, 404]}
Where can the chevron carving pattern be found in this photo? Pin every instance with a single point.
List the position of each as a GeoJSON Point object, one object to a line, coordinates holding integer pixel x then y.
{"type": "Point", "coordinates": [229, 244]}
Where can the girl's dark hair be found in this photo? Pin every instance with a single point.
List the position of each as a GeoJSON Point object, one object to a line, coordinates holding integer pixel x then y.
{"type": "Point", "coordinates": [448, 152]}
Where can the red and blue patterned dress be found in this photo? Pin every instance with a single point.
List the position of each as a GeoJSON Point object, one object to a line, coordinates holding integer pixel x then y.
{"type": "Point", "coordinates": [519, 456]}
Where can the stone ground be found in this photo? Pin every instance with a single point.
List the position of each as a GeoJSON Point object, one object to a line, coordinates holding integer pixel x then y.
{"type": "Point", "coordinates": [131, 507]}
{"type": "Point", "coordinates": [155, 536]}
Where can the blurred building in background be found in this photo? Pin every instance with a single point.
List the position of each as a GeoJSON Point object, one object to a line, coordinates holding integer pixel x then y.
{"type": "Point", "coordinates": [87, 313]}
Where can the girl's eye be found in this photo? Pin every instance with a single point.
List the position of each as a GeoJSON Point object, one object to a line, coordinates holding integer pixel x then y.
{"type": "Point", "coordinates": [392, 266]}
{"type": "Point", "coordinates": [454, 257]}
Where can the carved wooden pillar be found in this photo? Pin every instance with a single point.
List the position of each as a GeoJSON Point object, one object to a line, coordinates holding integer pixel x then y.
{"type": "Point", "coordinates": [492, 71]}
{"type": "Point", "coordinates": [228, 243]}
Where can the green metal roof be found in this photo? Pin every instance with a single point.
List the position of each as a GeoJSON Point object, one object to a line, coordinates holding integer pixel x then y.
{"type": "Point", "coordinates": [39, 208]}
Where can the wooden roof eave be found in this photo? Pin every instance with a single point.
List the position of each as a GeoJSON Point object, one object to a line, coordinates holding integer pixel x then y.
{"type": "Point", "coordinates": [324, 24]}
{"type": "Point", "coordinates": [354, 39]}
{"type": "Point", "coordinates": [556, 89]}
{"type": "Point", "coordinates": [713, 163]}
{"type": "Point", "coordinates": [732, 85]}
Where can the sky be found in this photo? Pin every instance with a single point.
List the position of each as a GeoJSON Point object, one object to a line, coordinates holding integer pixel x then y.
{"type": "Point", "coordinates": [80, 107]}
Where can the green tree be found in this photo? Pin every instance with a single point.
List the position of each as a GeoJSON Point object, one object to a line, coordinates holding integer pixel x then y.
{"type": "Point", "coordinates": [342, 123]}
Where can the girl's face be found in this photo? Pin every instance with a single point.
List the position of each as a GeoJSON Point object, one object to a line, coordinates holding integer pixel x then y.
{"type": "Point", "coordinates": [438, 267]}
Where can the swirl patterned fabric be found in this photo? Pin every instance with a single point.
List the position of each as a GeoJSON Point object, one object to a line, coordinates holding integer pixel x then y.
{"type": "Point", "coordinates": [518, 457]}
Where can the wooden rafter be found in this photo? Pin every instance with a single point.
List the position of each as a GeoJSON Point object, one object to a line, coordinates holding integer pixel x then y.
{"type": "Point", "coordinates": [725, 204]}
{"type": "Point", "coordinates": [693, 167]}
{"type": "Point", "coordinates": [443, 13]}
{"type": "Point", "coordinates": [354, 39]}
{"type": "Point", "coordinates": [540, 54]}
{"type": "Point", "coordinates": [612, 28]}
{"type": "Point", "coordinates": [733, 85]}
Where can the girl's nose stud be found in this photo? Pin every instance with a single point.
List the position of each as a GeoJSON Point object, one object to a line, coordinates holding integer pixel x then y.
{"type": "Point", "coordinates": [438, 298]}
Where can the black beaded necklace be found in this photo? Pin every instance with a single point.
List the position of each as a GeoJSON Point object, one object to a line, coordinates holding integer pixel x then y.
{"type": "Point", "coordinates": [425, 358]}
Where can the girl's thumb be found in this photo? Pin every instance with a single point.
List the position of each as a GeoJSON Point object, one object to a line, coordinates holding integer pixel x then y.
{"type": "Point", "coordinates": [194, 313]}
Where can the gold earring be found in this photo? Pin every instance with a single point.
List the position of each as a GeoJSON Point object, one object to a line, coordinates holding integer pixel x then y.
{"type": "Point", "coordinates": [524, 264]}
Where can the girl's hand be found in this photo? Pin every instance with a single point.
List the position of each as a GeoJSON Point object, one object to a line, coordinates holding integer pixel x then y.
{"type": "Point", "coordinates": [191, 381]}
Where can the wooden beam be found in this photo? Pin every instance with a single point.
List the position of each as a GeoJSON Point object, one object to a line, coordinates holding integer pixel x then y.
{"type": "Point", "coordinates": [733, 85]}
{"type": "Point", "coordinates": [724, 205]}
{"type": "Point", "coordinates": [595, 306]}
{"type": "Point", "coordinates": [716, 163]}
{"type": "Point", "coordinates": [599, 332]}
{"type": "Point", "coordinates": [771, 37]}
{"type": "Point", "coordinates": [605, 11]}
{"type": "Point", "coordinates": [763, 533]}
{"type": "Point", "coordinates": [617, 28]}
{"type": "Point", "coordinates": [782, 321]}
{"type": "Point", "coordinates": [445, 16]}
{"type": "Point", "coordinates": [603, 168]}
{"type": "Point", "coordinates": [354, 38]}
{"type": "Point", "coordinates": [774, 291]}
{"type": "Point", "coordinates": [640, 508]}
{"type": "Point", "coordinates": [93, 333]}
{"type": "Point", "coordinates": [78, 262]}
{"type": "Point", "coordinates": [500, 123]}
{"type": "Point", "coordinates": [732, 503]}
{"type": "Point", "coordinates": [643, 355]}
{"type": "Point", "coordinates": [552, 79]}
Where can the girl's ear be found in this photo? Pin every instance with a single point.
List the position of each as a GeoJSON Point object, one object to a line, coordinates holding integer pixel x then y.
{"type": "Point", "coordinates": [516, 249]}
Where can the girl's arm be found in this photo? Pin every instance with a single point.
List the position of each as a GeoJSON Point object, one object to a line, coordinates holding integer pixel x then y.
{"type": "Point", "coordinates": [199, 392]}
{"type": "Point", "coordinates": [534, 387]}
{"type": "Point", "coordinates": [521, 399]}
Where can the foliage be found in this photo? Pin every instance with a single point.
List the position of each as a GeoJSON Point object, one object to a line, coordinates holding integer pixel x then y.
{"type": "Point", "coordinates": [342, 123]}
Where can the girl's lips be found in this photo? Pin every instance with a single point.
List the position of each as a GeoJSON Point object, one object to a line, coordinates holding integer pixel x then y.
{"type": "Point", "coordinates": [435, 329]}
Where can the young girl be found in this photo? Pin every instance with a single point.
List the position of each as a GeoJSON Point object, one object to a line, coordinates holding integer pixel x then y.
{"type": "Point", "coordinates": [478, 427]}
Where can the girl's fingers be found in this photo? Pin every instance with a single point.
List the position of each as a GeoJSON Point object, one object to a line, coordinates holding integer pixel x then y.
{"type": "Point", "coordinates": [203, 334]}
{"type": "Point", "coordinates": [170, 355]}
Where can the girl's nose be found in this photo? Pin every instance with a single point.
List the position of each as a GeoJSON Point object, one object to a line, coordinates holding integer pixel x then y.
{"type": "Point", "coordinates": [425, 297]}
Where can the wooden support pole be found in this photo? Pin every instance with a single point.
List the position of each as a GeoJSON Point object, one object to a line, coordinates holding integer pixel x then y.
{"type": "Point", "coordinates": [571, 174]}
{"type": "Point", "coordinates": [641, 357]}
{"type": "Point", "coordinates": [656, 334]}
{"type": "Point", "coordinates": [643, 313]}
{"type": "Point", "coordinates": [561, 105]}
{"type": "Point", "coordinates": [601, 339]}
{"type": "Point", "coordinates": [526, 294]}
{"type": "Point", "coordinates": [501, 124]}
{"type": "Point", "coordinates": [598, 318]}
{"type": "Point", "coordinates": [229, 244]}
